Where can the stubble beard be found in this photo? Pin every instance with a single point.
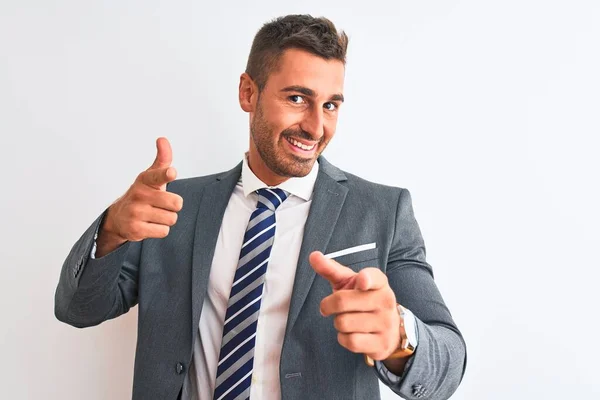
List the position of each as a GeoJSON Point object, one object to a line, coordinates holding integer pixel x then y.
{"type": "Point", "coordinates": [287, 165]}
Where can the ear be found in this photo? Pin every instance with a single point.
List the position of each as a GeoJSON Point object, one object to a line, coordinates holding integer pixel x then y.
{"type": "Point", "coordinates": [248, 93]}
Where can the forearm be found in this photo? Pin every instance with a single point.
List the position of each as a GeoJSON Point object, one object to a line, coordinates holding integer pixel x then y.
{"type": "Point", "coordinates": [396, 366]}
{"type": "Point", "coordinates": [436, 368]}
{"type": "Point", "coordinates": [90, 290]}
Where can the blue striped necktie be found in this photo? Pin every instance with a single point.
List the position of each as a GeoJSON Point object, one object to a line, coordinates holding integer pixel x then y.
{"type": "Point", "coordinates": [234, 371]}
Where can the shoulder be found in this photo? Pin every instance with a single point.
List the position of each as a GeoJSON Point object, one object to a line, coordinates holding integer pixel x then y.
{"type": "Point", "coordinates": [364, 185]}
{"type": "Point", "coordinates": [196, 184]}
{"type": "Point", "coordinates": [187, 186]}
{"type": "Point", "coordinates": [384, 198]}
{"type": "Point", "coordinates": [370, 190]}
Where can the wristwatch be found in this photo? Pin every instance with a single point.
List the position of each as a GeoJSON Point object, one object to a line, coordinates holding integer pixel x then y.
{"type": "Point", "coordinates": [409, 336]}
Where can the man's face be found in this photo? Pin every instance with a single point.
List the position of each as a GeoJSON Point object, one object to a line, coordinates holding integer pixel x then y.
{"type": "Point", "coordinates": [296, 114]}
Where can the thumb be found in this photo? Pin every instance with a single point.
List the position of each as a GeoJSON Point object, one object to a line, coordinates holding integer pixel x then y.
{"type": "Point", "coordinates": [164, 154]}
{"type": "Point", "coordinates": [338, 275]}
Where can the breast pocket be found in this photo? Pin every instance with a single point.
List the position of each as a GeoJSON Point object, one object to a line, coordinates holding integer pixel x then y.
{"type": "Point", "coordinates": [359, 259]}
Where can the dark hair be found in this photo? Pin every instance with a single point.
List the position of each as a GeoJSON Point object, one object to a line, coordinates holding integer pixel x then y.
{"type": "Point", "coordinates": [315, 35]}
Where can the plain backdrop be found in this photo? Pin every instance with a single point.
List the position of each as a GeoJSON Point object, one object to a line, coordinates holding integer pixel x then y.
{"type": "Point", "coordinates": [487, 111]}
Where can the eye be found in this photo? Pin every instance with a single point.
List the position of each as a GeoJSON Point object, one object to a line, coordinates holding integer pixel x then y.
{"type": "Point", "coordinates": [330, 106]}
{"type": "Point", "coordinates": [296, 99]}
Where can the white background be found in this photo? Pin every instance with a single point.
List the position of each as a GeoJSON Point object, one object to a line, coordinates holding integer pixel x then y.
{"type": "Point", "coordinates": [487, 111]}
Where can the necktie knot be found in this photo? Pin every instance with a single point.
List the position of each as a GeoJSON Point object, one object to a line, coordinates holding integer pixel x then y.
{"type": "Point", "coordinates": [271, 198]}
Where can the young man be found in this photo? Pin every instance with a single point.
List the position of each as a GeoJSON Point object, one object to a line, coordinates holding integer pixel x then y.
{"type": "Point", "coordinates": [282, 278]}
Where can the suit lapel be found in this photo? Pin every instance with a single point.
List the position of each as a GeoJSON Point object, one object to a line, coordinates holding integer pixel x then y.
{"type": "Point", "coordinates": [213, 202]}
{"type": "Point", "coordinates": [328, 198]}
{"type": "Point", "coordinates": [327, 202]}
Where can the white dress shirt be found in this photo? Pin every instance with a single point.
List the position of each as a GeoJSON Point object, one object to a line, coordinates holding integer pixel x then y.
{"type": "Point", "coordinates": [279, 280]}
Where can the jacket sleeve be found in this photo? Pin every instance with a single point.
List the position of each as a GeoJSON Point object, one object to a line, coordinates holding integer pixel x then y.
{"type": "Point", "coordinates": [93, 290]}
{"type": "Point", "coordinates": [436, 368]}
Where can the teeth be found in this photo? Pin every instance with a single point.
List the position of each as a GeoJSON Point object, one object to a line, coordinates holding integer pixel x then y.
{"type": "Point", "coordinates": [300, 145]}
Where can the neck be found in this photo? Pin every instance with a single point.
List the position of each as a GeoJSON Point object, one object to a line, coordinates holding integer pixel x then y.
{"type": "Point", "coordinates": [262, 172]}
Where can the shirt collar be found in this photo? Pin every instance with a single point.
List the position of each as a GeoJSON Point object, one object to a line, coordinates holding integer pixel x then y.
{"type": "Point", "coordinates": [298, 186]}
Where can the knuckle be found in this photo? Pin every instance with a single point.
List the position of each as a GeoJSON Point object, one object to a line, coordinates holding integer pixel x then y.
{"type": "Point", "coordinates": [384, 278]}
{"type": "Point", "coordinates": [340, 323]}
{"type": "Point", "coordinates": [139, 193]}
{"type": "Point", "coordinates": [150, 177]}
{"type": "Point", "coordinates": [171, 173]}
{"type": "Point", "coordinates": [337, 325]}
{"type": "Point", "coordinates": [164, 232]}
{"type": "Point", "coordinates": [324, 306]}
{"type": "Point", "coordinates": [147, 177]}
{"type": "Point", "coordinates": [172, 201]}
{"type": "Point", "coordinates": [352, 341]}
{"type": "Point", "coordinates": [172, 218]}
{"type": "Point", "coordinates": [388, 324]}
{"type": "Point", "coordinates": [337, 302]}
{"type": "Point", "coordinates": [389, 299]}
{"type": "Point", "coordinates": [176, 202]}
{"type": "Point", "coordinates": [135, 213]}
{"type": "Point", "coordinates": [133, 232]}
{"type": "Point", "coordinates": [392, 300]}
{"type": "Point", "coordinates": [342, 339]}
{"type": "Point", "coordinates": [135, 194]}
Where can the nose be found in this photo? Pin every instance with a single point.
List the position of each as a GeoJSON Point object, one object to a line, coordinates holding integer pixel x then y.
{"type": "Point", "coordinates": [313, 123]}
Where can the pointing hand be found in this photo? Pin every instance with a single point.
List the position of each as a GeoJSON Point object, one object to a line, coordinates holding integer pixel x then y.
{"type": "Point", "coordinates": [363, 306]}
{"type": "Point", "coordinates": [146, 210]}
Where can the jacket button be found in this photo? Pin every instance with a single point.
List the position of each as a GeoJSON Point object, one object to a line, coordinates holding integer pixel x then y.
{"type": "Point", "coordinates": [419, 391]}
{"type": "Point", "coordinates": [179, 368]}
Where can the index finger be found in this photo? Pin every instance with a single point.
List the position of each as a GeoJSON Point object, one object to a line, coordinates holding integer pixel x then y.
{"type": "Point", "coordinates": [156, 178]}
{"type": "Point", "coordinates": [338, 275]}
{"type": "Point", "coordinates": [371, 279]}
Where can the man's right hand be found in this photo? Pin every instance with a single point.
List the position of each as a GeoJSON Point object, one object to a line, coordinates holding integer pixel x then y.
{"type": "Point", "coordinates": [146, 210]}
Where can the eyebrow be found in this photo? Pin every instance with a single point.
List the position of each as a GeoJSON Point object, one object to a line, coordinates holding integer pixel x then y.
{"type": "Point", "coordinates": [311, 93]}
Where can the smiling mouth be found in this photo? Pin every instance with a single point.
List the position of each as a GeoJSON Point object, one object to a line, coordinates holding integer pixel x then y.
{"type": "Point", "coordinates": [301, 145]}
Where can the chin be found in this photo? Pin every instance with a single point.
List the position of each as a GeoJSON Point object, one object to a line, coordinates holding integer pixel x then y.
{"type": "Point", "coordinates": [294, 167]}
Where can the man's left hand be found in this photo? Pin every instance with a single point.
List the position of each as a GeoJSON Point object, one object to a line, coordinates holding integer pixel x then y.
{"type": "Point", "coordinates": [364, 306]}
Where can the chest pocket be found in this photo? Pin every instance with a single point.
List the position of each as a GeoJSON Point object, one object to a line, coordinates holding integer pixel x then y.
{"type": "Point", "coordinates": [360, 259]}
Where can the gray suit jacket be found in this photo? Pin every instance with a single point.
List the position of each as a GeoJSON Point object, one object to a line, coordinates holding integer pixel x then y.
{"type": "Point", "coordinates": [168, 279]}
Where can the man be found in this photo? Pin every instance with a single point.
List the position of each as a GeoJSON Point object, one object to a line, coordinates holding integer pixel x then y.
{"type": "Point", "coordinates": [282, 278]}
